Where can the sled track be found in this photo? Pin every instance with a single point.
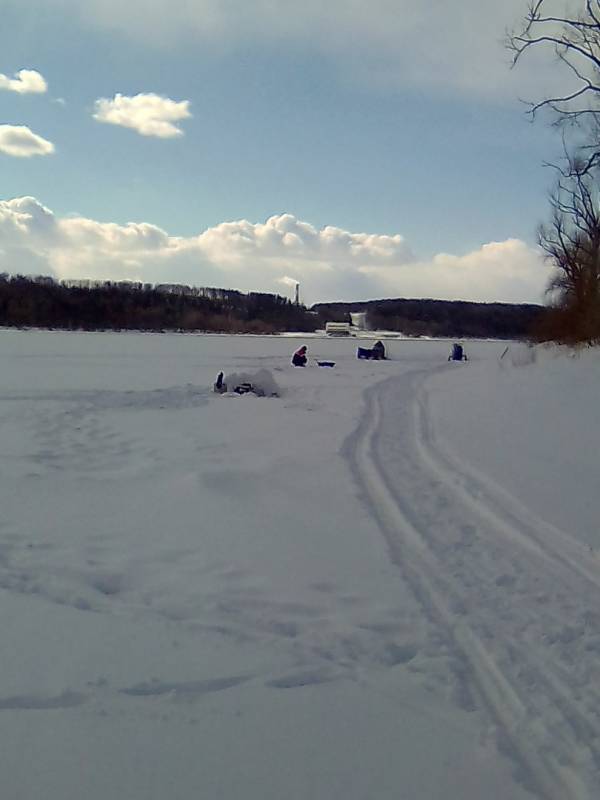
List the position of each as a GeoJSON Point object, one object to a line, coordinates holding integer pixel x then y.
{"type": "Point", "coordinates": [492, 585]}
{"type": "Point", "coordinates": [510, 518]}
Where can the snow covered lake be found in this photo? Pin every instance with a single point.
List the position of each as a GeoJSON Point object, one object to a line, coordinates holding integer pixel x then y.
{"type": "Point", "coordinates": [383, 583]}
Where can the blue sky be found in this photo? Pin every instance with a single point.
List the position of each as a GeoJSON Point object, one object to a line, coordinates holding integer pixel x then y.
{"type": "Point", "coordinates": [364, 150]}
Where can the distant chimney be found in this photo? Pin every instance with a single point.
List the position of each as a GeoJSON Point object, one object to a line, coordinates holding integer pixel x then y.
{"type": "Point", "coordinates": [297, 297]}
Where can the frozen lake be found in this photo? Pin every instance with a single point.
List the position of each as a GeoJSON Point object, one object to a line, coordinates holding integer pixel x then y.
{"type": "Point", "coordinates": [381, 583]}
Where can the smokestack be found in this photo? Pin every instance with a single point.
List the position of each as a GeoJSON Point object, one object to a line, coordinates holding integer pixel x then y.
{"type": "Point", "coordinates": [297, 297]}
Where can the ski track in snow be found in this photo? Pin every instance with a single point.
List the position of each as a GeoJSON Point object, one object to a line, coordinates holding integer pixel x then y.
{"type": "Point", "coordinates": [66, 699]}
{"type": "Point", "coordinates": [187, 691]}
{"type": "Point", "coordinates": [471, 554]}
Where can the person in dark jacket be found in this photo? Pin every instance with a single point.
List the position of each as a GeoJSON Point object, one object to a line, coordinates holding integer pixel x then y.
{"type": "Point", "coordinates": [299, 358]}
{"type": "Point", "coordinates": [458, 353]}
{"type": "Point", "coordinates": [219, 386]}
{"type": "Point", "coordinates": [378, 351]}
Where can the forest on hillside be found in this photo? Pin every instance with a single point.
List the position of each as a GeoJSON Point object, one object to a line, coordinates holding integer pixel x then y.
{"type": "Point", "coordinates": [445, 318]}
{"type": "Point", "coordinates": [42, 302]}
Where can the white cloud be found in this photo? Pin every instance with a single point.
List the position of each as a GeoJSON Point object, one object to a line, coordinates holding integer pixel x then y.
{"type": "Point", "coordinates": [329, 263]}
{"type": "Point", "coordinates": [148, 114]}
{"type": "Point", "coordinates": [26, 81]}
{"type": "Point", "coordinates": [508, 271]}
{"type": "Point", "coordinates": [21, 142]}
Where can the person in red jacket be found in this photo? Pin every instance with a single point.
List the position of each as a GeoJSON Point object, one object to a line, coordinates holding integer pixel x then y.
{"type": "Point", "coordinates": [299, 358]}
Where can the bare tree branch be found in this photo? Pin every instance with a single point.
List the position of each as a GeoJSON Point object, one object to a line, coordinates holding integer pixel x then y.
{"type": "Point", "coordinates": [575, 42]}
{"type": "Point", "coordinates": [571, 240]}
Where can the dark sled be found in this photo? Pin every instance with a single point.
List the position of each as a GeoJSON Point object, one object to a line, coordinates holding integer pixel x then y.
{"type": "Point", "coordinates": [373, 354]}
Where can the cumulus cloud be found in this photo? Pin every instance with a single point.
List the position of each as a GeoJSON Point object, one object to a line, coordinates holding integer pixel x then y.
{"type": "Point", "coordinates": [329, 263]}
{"type": "Point", "coordinates": [148, 114]}
{"type": "Point", "coordinates": [508, 271]}
{"type": "Point", "coordinates": [26, 81]}
{"type": "Point", "coordinates": [21, 142]}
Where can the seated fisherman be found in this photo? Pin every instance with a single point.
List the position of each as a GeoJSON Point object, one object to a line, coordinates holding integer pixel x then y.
{"type": "Point", "coordinates": [458, 353]}
{"type": "Point", "coordinates": [378, 351]}
{"type": "Point", "coordinates": [299, 358]}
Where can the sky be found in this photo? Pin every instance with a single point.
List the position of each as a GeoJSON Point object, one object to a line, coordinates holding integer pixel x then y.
{"type": "Point", "coordinates": [363, 150]}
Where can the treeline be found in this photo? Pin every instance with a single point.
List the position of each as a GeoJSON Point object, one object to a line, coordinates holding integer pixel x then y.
{"type": "Point", "coordinates": [447, 318]}
{"type": "Point", "coordinates": [43, 302]}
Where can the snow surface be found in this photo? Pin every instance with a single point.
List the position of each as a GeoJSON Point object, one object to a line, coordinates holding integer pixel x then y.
{"type": "Point", "coordinates": [382, 583]}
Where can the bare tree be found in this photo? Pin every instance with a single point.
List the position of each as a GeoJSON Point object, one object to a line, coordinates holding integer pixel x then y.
{"type": "Point", "coordinates": [571, 242]}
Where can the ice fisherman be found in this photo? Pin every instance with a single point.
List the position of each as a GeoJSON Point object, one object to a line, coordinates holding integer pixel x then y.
{"type": "Point", "coordinates": [299, 358]}
{"type": "Point", "coordinates": [458, 353]}
{"type": "Point", "coordinates": [219, 386]}
{"type": "Point", "coordinates": [378, 351]}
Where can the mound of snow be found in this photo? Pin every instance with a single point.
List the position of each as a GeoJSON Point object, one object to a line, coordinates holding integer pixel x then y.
{"type": "Point", "coordinates": [263, 382]}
